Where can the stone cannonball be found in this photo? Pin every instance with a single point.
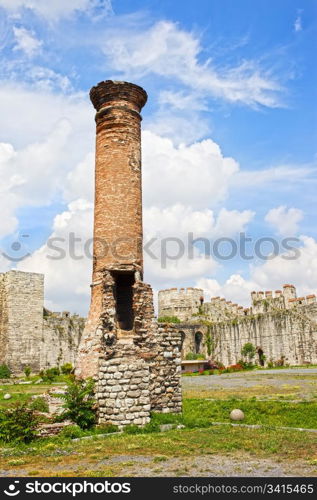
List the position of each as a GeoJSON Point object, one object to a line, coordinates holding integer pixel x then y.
{"type": "Point", "coordinates": [237, 414]}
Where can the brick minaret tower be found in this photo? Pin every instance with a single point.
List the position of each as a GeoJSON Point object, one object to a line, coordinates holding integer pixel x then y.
{"type": "Point", "coordinates": [118, 195]}
{"type": "Point", "coordinates": [121, 338]}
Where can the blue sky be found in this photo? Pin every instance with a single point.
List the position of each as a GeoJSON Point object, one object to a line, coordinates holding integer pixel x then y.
{"type": "Point", "coordinates": [229, 133]}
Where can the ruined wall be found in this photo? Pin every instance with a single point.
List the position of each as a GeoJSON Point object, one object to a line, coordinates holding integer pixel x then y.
{"type": "Point", "coordinates": [291, 335]}
{"type": "Point", "coordinates": [136, 372]}
{"type": "Point", "coordinates": [60, 338]}
{"type": "Point", "coordinates": [278, 324]}
{"type": "Point", "coordinates": [22, 313]}
{"type": "Point", "coordinates": [27, 336]}
{"type": "Point", "coordinates": [182, 303]}
{"type": "Point", "coordinates": [3, 321]}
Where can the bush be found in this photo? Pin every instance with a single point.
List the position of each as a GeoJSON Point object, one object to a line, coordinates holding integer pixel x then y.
{"type": "Point", "coordinates": [27, 371]}
{"type": "Point", "coordinates": [106, 429]}
{"type": "Point", "coordinates": [169, 319]}
{"type": "Point", "coordinates": [71, 432]}
{"type": "Point", "coordinates": [280, 362]}
{"type": "Point", "coordinates": [79, 403]}
{"type": "Point", "coordinates": [50, 374]}
{"type": "Point", "coordinates": [55, 370]}
{"type": "Point", "coordinates": [146, 429]}
{"type": "Point", "coordinates": [193, 356]}
{"type": "Point", "coordinates": [246, 365]}
{"type": "Point", "coordinates": [18, 423]}
{"type": "Point", "coordinates": [67, 368]}
{"type": "Point", "coordinates": [39, 404]}
{"type": "Point", "coordinates": [5, 371]}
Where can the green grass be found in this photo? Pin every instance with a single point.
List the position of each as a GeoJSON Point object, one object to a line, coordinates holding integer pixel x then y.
{"type": "Point", "coordinates": [22, 393]}
{"type": "Point", "coordinates": [201, 413]}
{"type": "Point", "coordinates": [45, 457]}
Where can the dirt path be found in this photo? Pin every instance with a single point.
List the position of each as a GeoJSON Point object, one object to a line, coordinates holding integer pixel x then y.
{"type": "Point", "coordinates": [203, 466]}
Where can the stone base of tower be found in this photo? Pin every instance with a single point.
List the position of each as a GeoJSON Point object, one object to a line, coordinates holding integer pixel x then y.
{"type": "Point", "coordinates": [136, 371]}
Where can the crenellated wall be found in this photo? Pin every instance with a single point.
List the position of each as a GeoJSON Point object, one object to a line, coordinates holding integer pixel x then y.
{"type": "Point", "coordinates": [182, 303]}
{"type": "Point", "coordinates": [279, 325]}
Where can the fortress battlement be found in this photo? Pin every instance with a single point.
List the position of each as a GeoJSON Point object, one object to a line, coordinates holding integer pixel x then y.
{"type": "Point", "coordinates": [188, 303]}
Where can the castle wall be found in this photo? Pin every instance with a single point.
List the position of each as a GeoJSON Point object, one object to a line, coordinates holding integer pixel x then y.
{"type": "Point", "coordinates": [60, 339]}
{"type": "Point", "coordinates": [27, 337]}
{"type": "Point", "coordinates": [289, 334]}
{"type": "Point", "coordinates": [182, 303]}
{"type": "Point", "coordinates": [3, 321]}
{"type": "Point", "coordinates": [22, 313]}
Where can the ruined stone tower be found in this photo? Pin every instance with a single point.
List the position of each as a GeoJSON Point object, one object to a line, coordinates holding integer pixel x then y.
{"type": "Point", "coordinates": [136, 365]}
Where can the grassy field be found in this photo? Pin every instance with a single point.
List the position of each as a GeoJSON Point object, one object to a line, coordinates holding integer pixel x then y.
{"type": "Point", "coordinates": [174, 452]}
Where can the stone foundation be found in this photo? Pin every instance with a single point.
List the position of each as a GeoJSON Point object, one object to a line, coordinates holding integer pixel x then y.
{"type": "Point", "coordinates": [136, 371]}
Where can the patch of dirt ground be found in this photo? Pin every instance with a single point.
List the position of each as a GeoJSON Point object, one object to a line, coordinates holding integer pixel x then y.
{"type": "Point", "coordinates": [161, 466]}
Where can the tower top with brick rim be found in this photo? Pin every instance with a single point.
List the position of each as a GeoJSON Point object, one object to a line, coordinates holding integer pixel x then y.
{"type": "Point", "coordinates": [111, 93]}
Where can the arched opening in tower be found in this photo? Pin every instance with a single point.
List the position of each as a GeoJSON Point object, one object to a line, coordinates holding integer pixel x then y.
{"type": "Point", "coordinates": [198, 341]}
{"type": "Point", "coordinates": [124, 282]}
{"type": "Point", "coordinates": [261, 356]}
{"type": "Point", "coordinates": [182, 343]}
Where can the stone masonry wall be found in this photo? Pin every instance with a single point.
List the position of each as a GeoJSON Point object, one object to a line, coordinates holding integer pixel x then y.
{"type": "Point", "coordinates": [22, 313]}
{"type": "Point", "coordinates": [136, 372]}
{"type": "Point", "coordinates": [291, 335]}
{"type": "Point", "coordinates": [60, 339]}
{"type": "Point", "coordinates": [30, 335]}
{"type": "Point", "coordinates": [278, 324]}
{"type": "Point", "coordinates": [182, 303]}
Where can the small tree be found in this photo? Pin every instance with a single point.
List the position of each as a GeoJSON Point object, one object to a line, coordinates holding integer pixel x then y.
{"type": "Point", "coordinates": [79, 402]}
{"type": "Point", "coordinates": [5, 371]}
{"type": "Point", "coordinates": [27, 371]}
{"type": "Point", "coordinates": [18, 423]}
{"type": "Point", "coordinates": [248, 351]}
{"type": "Point", "coordinates": [67, 368]}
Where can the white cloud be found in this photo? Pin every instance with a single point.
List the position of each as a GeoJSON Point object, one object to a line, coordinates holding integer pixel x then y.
{"type": "Point", "coordinates": [235, 288]}
{"type": "Point", "coordinates": [55, 9]}
{"type": "Point", "coordinates": [302, 272]}
{"type": "Point", "coordinates": [289, 174]}
{"type": "Point", "coordinates": [29, 115]}
{"type": "Point", "coordinates": [197, 175]}
{"type": "Point", "coordinates": [26, 41]}
{"type": "Point", "coordinates": [180, 127]}
{"type": "Point", "coordinates": [182, 101]}
{"type": "Point", "coordinates": [284, 220]}
{"type": "Point", "coordinates": [42, 150]}
{"type": "Point", "coordinates": [166, 50]}
{"type": "Point", "coordinates": [171, 228]}
{"type": "Point", "coordinates": [298, 23]}
{"type": "Point", "coordinates": [66, 279]}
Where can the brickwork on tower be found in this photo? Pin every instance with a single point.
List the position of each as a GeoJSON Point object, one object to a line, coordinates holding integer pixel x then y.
{"type": "Point", "coordinates": [135, 364]}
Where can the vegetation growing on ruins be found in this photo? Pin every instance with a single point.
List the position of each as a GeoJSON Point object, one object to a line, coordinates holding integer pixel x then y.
{"type": "Point", "coordinates": [193, 356]}
{"type": "Point", "coordinates": [169, 319]}
{"type": "Point", "coordinates": [79, 403]}
{"type": "Point", "coordinates": [5, 371]}
{"type": "Point", "coordinates": [17, 423]}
